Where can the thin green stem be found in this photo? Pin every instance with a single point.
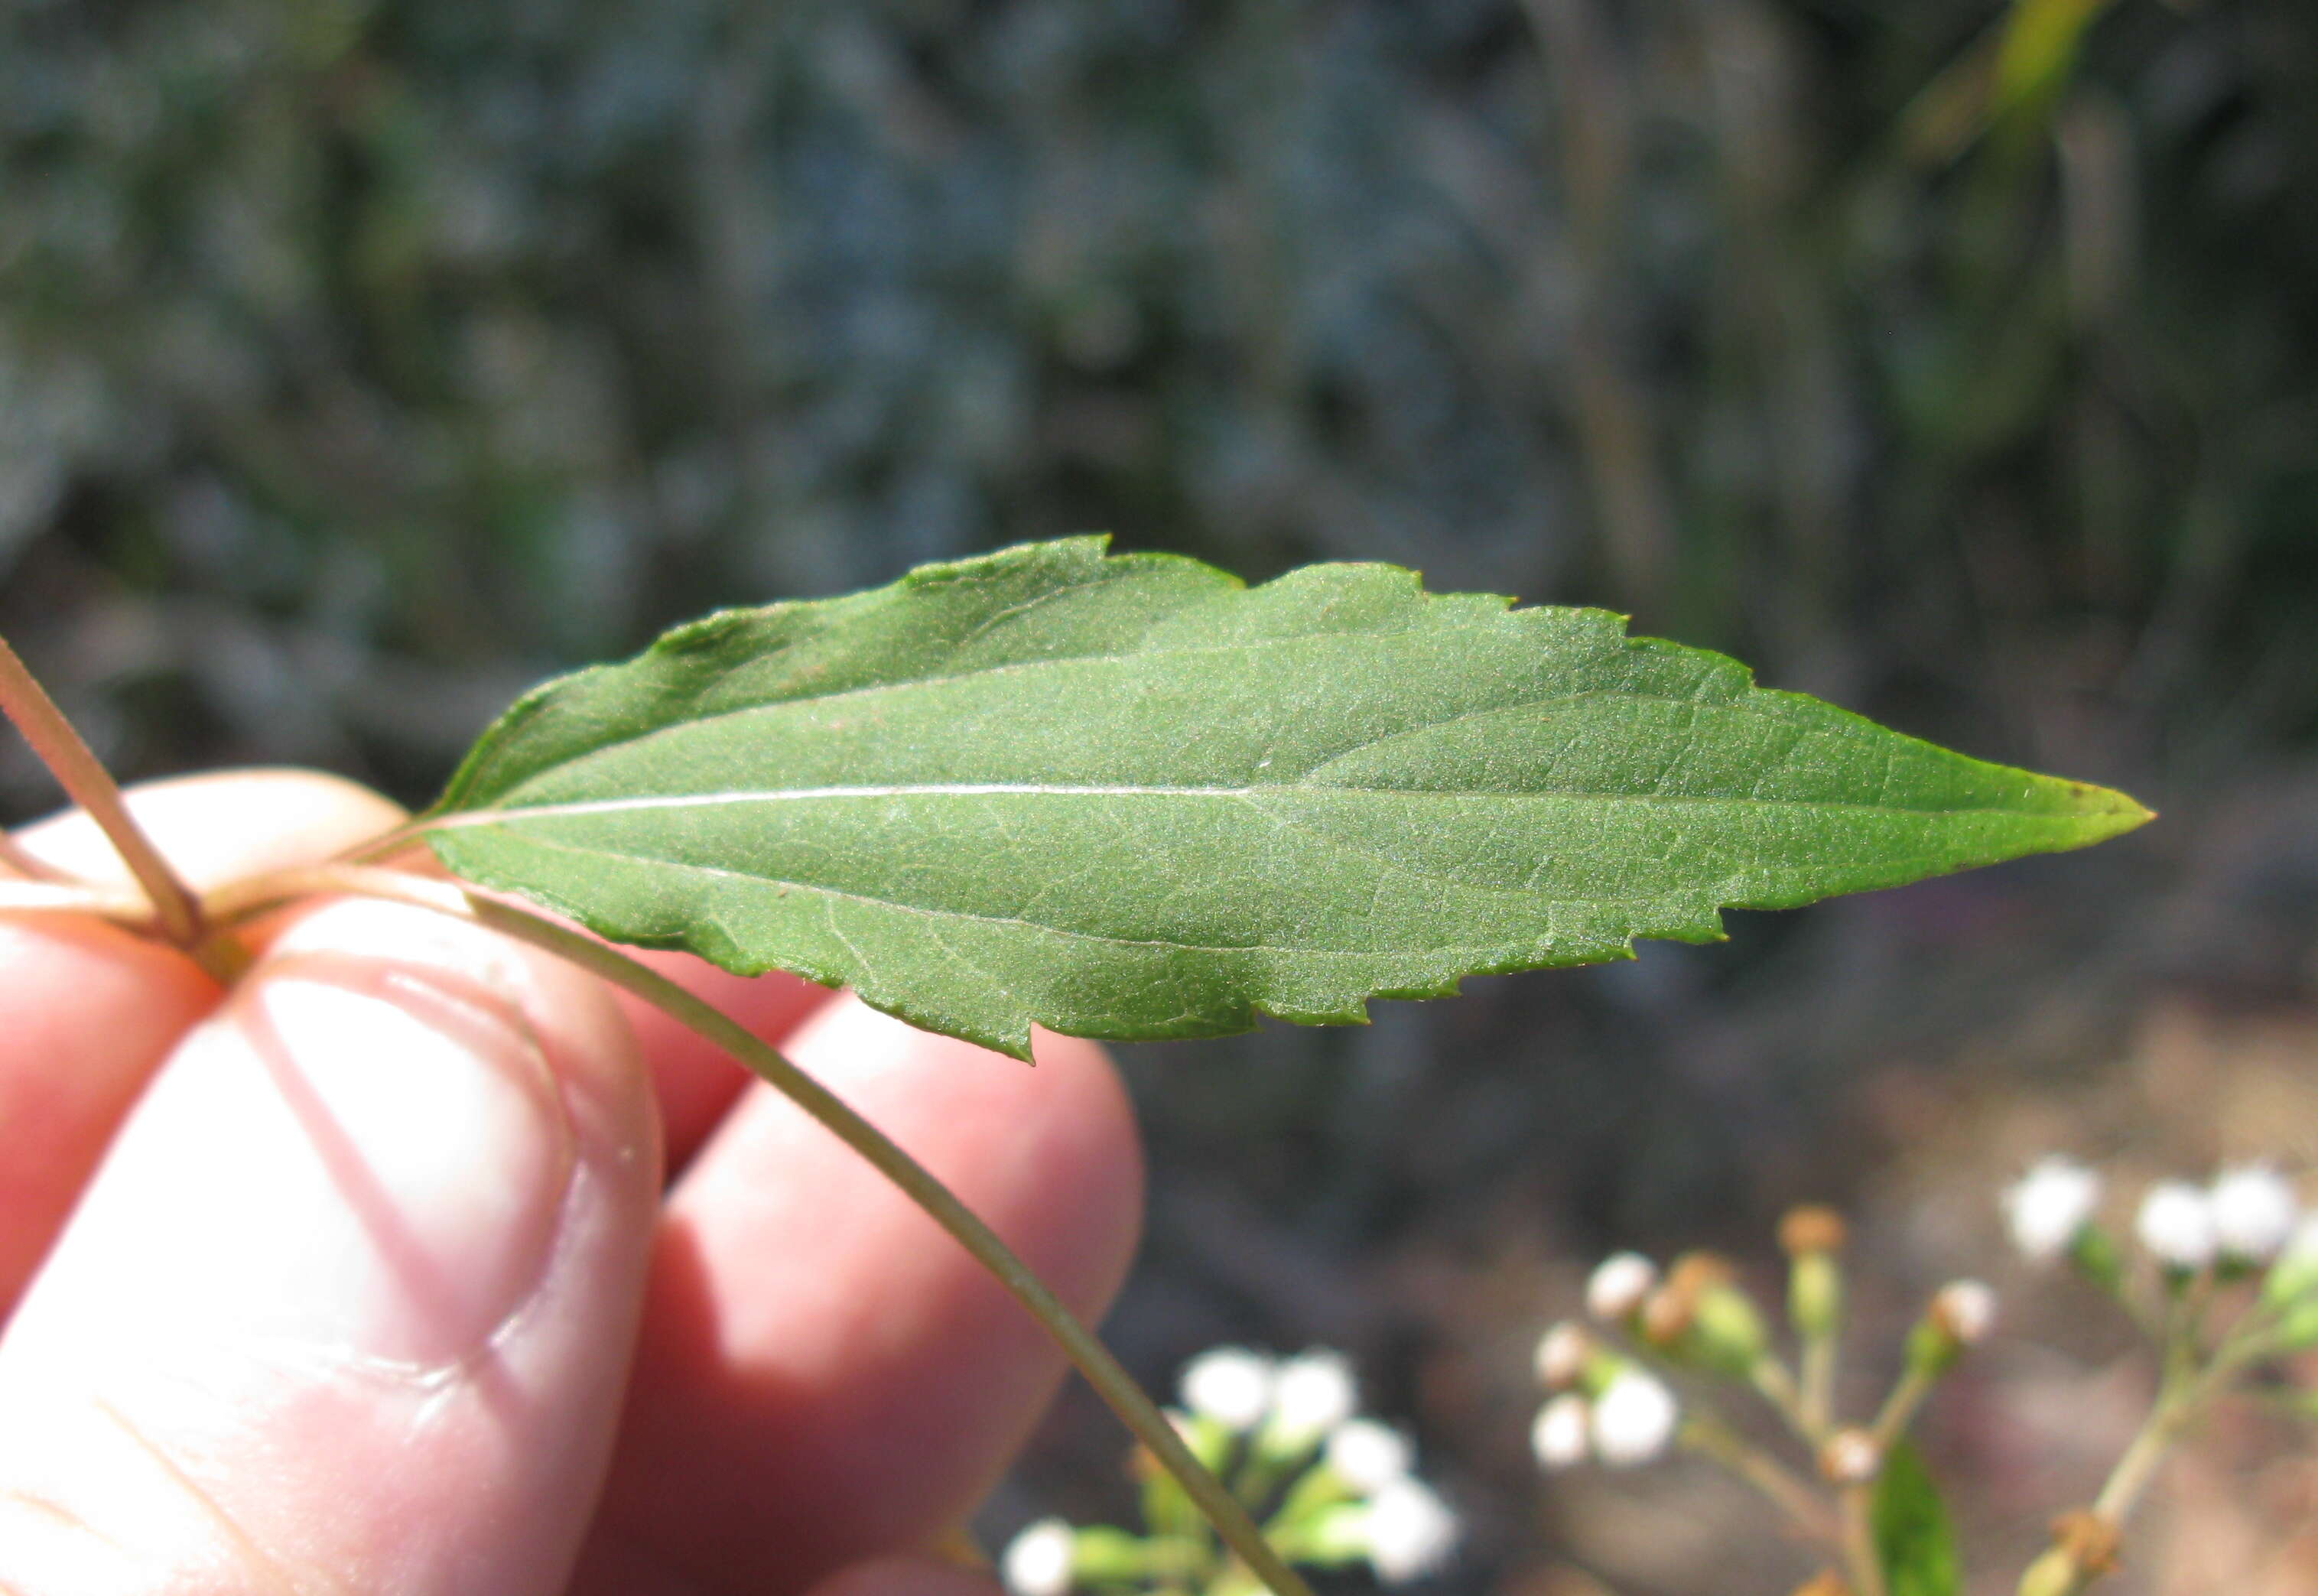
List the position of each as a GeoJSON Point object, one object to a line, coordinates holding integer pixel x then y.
{"type": "Point", "coordinates": [1860, 1557]}
{"type": "Point", "coordinates": [89, 784]}
{"type": "Point", "coordinates": [1898, 1410]}
{"type": "Point", "coordinates": [1712, 1438]}
{"type": "Point", "coordinates": [1771, 1380]}
{"type": "Point", "coordinates": [1815, 1410]}
{"type": "Point", "coordinates": [1079, 1344]}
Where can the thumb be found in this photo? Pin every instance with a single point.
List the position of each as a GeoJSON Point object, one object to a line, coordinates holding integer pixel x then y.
{"type": "Point", "coordinates": [349, 1304]}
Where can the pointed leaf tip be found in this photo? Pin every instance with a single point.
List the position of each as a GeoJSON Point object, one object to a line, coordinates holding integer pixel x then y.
{"type": "Point", "coordinates": [1129, 796]}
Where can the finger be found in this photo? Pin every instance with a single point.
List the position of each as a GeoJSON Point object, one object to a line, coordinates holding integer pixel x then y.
{"type": "Point", "coordinates": [823, 1375]}
{"type": "Point", "coordinates": [348, 1304]}
{"type": "Point", "coordinates": [906, 1576]}
{"type": "Point", "coordinates": [223, 825]}
{"type": "Point", "coordinates": [698, 1081]}
{"type": "Point", "coordinates": [87, 1011]}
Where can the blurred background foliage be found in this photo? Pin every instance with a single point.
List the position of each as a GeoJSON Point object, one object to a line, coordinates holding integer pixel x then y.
{"type": "Point", "coordinates": [361, 361]}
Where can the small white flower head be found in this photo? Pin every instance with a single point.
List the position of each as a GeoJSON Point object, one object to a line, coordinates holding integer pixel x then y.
{"type": "Point", "coordinates": [1618, 1285]}
{"type": "Point", "coordinates": [1312, 1393]}
{"type": "Point", "coordinates": [2048, 1206]}
{"type": "Point", "coordinates": [1850, 1458]}
{"type": "Point", "coordinates": [1037, 1562]}
{"type": "Point", "coordinates": [2176, 1224]}
{"type": "Point", "coordinates": [1368, 1456]}
{"type": "Point", "coordinates": [1229, 1385]}
{"type": "Point", "coordinates": [1633, 1418]}
{"type": "Point", "coordinates": [1411, 1532]}
{"type": "Point", "coordinates": [1966, 1311]}
{"type": "Point", "coordinates": [1562, 1353]}
{"type": "Point", "coordinates": [1560, 1435]}
{"type": "Point", "coordinates": [2253, 1210]}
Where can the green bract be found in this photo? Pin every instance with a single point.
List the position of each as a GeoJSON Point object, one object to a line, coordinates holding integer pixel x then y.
{"type": "Point", "coordinates": [1128, 796]}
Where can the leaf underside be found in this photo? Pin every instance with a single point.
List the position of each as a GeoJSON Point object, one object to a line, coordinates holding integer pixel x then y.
{"type": "Point", "coordinates": [1128, 796]}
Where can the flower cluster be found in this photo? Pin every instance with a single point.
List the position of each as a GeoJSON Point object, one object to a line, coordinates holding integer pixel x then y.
{"type": "Point", "coordinates": [1601, 1404]}
{"type": "Point", "coordinates": [1331, 1487]}
{"type": "Point", "coordinates": [1610, 1400]}
{"type": "Point", "coordinates": [2245, 1220]}
{"type": "Point", "coordinates": [2230, 1284]}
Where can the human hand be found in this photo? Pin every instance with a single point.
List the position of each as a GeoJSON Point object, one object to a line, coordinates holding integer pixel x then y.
{"type": "Point", "coordinates": [362, 1277]}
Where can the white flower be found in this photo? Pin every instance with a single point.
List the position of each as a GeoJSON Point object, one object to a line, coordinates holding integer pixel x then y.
{"type": "Point", "coordinates": [2047, 1206]}
{"type": "Point", "coordinates": [2177, 1225]}
{"type": "Point", "coordinates": [1037, 1562]}
{"type": "Point", "coordinates": [1618, 1285]}
{"type": "Point", "coordinates": [1850, 1458]}
{"type": "Point", "coordinates": [1368, 1456]}
{"type": "Point", "coordinates": [1312, 1393]}
{"type": "Point", "coordinates": [1558, 1436]}
{"type": "Point", "coordinates": [2253, 1211]}
{"type": "Point", "coordinates": [1965, 1310]}
{"type": "Point", "coordinates": [1411, 1532]}
{"type": "Point", "coordinates": [1633, 1418]}
{"type": "Point", "coordinates": [1563, 1352]}
{"type": "Point", "coordinates": [1229, 1385]}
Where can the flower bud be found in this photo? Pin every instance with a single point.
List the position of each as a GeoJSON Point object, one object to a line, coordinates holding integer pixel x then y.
{"type": "Point", "coordinates": [2084, 1546]}
{"type": "Point", "coordinates": [1810, 1228]}
{"type": "Point", "coordinates": [1619, 1283]}
{"type": "Point", "coordinates": [2046, 1209]}
{"type": "Point", "coordinates": [1559, 1436]}
{"type": "Point", "coordinates": [1815, 1294]}
{"type": "Point", "coordinates": [1368, 1456]}
{"type": "Point", "coordinates": [1411, 1532]}
{"type": "Point", "coordinates": [1038, 1561]}
{"type": "Point", "coordinates": [2253, 1211]}
{"type": "Point", "coordinates": [1850, 1458]}
{"type": "Point", "coordinates": [1633, 1418]}
{"type": "Point", "coordinates": [1811, 1236]}
{"type": "Point", "coordinates": [1563, 1352]}
{"type": "Point", "coordinates": [1312, 1393]}
{"type": "Point", "coordinates": [2175, 1224]}
{"type": "Point", "coordinates": [1228, 1385]}
{"type": "Point", "coordinates": [2053, 1573]}
{"type": "Point", "coordinates": [1726, 1332]}
{"type": "Point", "coordinates": [1961, 1315]}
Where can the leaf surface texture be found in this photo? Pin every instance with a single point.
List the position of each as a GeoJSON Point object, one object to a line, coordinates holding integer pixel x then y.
{"type": "Point", "coordinates": [1128, 796]}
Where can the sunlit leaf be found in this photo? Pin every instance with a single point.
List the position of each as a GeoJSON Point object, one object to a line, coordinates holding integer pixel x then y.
{"type": "Point", "coordinates": [1128, 796]}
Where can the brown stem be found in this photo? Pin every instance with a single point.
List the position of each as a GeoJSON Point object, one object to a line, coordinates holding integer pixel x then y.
{"type": "Point", "coordinates": [89, 784]}
{"type": "Point", "coordinates": [56, 897]}
{"type": "Point", "coordinates": [1091, 1358]}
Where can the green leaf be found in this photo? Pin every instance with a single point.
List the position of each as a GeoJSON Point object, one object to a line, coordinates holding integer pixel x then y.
{"type": "Point", "coordinates": [1128, 796]}
{"type": "Point", "coordinates": [1913, 1538]}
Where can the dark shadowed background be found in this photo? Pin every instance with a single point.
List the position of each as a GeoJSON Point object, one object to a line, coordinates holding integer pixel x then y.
{"type": "Point", "coordinates": [361, 362]}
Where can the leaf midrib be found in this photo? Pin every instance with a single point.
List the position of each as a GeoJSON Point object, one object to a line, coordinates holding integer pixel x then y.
{"type": "Point", "coordinates": [500, 816]}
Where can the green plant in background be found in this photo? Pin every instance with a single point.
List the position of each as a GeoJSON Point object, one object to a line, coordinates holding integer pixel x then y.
{"type": "Point", "coordinates": [2224, 1285]}
{"type": "Point", "coordinates": [1129, 797]}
